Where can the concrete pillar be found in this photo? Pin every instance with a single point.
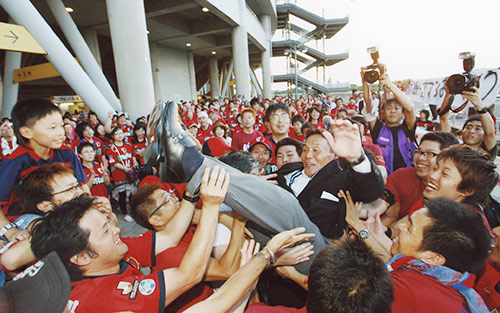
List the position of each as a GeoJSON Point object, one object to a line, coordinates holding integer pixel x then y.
{"type": "Point", "coordinates": [156, 72]}
{"type": "Point", "coordinates": [240, 54]}
{"type": "Point", "coordinates": [127, 23]}
{"type": "Point", "coordinates": [24, 13]}
{"type": "Point", "coordinates": [192, 75]}
{"type": "Point", "coordinates": [213, 69]}
{"type": "Point", "coordinates": [10, 89]}
{"type": "Point", "coordinates": [227, 79]}
{"type": "Point", "coordinates": [265, 20]}
{"type": "Point", "coordinates": [90, 35]}
{"type": "Point", "coordinates": [85, 56]}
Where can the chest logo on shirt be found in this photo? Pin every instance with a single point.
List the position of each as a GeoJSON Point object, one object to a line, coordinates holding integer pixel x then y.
{"type": "Point", "coordinates": [128, 288]}
{"type": "Point", "coordinates": [147, 287]}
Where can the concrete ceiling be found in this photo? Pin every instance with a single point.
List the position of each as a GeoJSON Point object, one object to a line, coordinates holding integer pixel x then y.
{"type": "Point", "coordinates": [171, 23]}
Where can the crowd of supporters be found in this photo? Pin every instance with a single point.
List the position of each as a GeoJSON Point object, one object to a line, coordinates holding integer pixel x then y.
{"type": "Point", "coordinates": [331, 187]}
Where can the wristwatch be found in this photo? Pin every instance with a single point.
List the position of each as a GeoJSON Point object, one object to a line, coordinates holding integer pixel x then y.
{"type": "Point", "coordinates": [361, 158]}
{"type": "Point", "coordinates": [482, 111]}
{"type": "Point", "coordinates": [364, 234]}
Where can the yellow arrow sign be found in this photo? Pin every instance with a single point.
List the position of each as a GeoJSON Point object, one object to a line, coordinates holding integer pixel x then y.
{"type": "Point", "coordinates": [35, 72]}
{"type": "Point", "coordinates": [17, 38]}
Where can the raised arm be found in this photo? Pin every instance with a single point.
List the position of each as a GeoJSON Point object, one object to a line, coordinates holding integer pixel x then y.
{"type": "Point", "coordinates": [368, 100]}
{"type": "Point", "coordinates": [486, 120]}
{"type": "Point", "coordinates": [444, 119]}
{"type": "Point", "coordinates": [242, 281]}
{"type": "Point", "coordinates": [403, 99]}
{"type": "Point", "coordinates": [194, 263]}
{"type": "Point", "coordinates": [109, 122]}
{"type": "Point", "coordinates": [375, 240]}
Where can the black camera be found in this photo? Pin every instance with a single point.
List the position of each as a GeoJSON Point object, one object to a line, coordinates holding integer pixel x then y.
{"type": "Point", "coordinates": [374, 70]}
{"type": "Point", "coordinates": [458, 83]}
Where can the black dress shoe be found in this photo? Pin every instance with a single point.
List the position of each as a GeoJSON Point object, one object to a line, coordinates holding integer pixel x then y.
{"type": "Point", "coordinates": [169, 141]}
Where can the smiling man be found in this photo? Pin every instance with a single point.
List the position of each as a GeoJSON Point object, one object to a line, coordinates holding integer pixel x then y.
{"type": "Point", "coordinates": [433, 256]}
{"type": "Point", "coordinates": [105, 270]}
{"type": "Point", "coordinates": [316, 185]}
{"type": "Point", "coordinates": [404, 187]}
{"type": "Point", "coordinates": [478, 130]}
{"type": "Point", "coordinates": [396, 134]}
{"type": "Point", "coordinates": [462, 174]}
{"type": "Point", "coordinates": [278, 116]}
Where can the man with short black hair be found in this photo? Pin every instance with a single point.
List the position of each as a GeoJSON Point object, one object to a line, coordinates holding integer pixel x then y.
{"type": "Point", "coordinates": [396, 134]}
{"type": "Point", "coordinates": [349, 278]}
{"type": "Point", "coordinates": [479, 130]}
{"type": "Point", "coordinates": [106, 270]}
{"type": "Point", "coordinates": [432, 257]}
{"type": "Point", "coordinates": [404, 187]}
{"type": "Point", "coordinates": [279, 123]}
{"type": "Point", "coordinates": [288, 150]}
{"type": "Point", "coordinates": [241, 139]}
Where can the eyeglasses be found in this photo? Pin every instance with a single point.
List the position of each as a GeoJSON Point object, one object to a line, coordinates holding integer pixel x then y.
{"type": "Point", "coordinates": [170, 198]}
{"type": "Point", "coordinates": [277, 117]}
{"type": "Point", "coordinates": [72, 189]}
{"type": "Point", "coordinates": [425, 154]}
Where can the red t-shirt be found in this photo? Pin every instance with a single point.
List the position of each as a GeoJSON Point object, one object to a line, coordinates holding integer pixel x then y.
{"type": "Point", "coordinates": [419, 293]}
{"type": "Point", "coordinates": [241, 140]}
{"type": "Point", "coordinates": [260, 127]}
{"type": "Point", "coordinates": [293, 134]}
{"type": "Point", "coordinates": [352, 106]}
{"type": "Point", "coordinates": [319, 125]}
{"type": "Point", "coordinates": [97, 144]}
{"type": "Point", "coordinates": [123, 155]}
{"type": "Point", "coordinates": [128, 290]}
{"type": "Point", "coordinates": [203, 135]}
{"type": "Point", "coordinates": [171, 258]}
{"type": "Point", "coordinates": [260, 307]}
{"type": "Point", "coordinates": [98, 187]}
{"type": "Point", "coordinates": [488, 285]}
{"type": "Point", "coordinates": [406, 188]}
{"type": "Point", "coordinates": [139, 147]}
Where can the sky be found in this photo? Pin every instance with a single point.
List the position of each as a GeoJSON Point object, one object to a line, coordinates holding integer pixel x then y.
{"type": "Point", "coordinates": [416, 39]}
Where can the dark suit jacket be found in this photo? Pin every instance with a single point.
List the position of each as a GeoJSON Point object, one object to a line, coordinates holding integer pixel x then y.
{"type": "Point", "coordinates": [316, 198]}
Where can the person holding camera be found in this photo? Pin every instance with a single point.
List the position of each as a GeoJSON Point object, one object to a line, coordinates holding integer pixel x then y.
{"type": "Point", "coordinates": [478, 130]}
{"type": "Point", "coordinates": [396, 133]}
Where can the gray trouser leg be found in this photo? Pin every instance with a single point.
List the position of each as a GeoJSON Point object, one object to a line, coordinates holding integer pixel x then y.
{"type": "Point", "coordinates": [267, 205]}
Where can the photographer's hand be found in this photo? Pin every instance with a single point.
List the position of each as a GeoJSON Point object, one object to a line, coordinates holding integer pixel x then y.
{"type": "Point", "coordinates": [403, 99]}
{"type": "Point", "coordinates": [474, 98]}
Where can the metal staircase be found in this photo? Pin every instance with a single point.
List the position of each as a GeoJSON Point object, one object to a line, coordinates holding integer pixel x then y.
{"type": "Point", "coordinates": [297, 50]}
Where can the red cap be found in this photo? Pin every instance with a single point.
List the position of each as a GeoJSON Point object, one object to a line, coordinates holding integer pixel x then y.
{"type": "Point", "coordinates": [261, 140]}
{"type": "Point", "coordinates": [218, 147]}
{"type": "Point", "coordinates": [191, 123]}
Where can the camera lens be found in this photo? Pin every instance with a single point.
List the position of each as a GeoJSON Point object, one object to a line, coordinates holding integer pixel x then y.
{"type": "Point", "coordinates": [456, 83]}
{"type": "Point", "coordinates": [371, 76]}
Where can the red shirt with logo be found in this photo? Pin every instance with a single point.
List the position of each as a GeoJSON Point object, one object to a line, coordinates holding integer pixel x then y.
{"type": "Point", "coordinates": [98, 187]}
{"type": "Point", "coordinates": [128, 290]}
{"type": "Point", "coordinates": [241, 140]}
{"type": "Point", "coordinates": [120, 154]}
{"type": "Point", "coordinates": [138, 148]}
{"type": "Point", "coordinates": [203, 135]}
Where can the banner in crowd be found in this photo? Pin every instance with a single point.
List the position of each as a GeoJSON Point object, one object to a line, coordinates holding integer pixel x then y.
{"type": "Point", "coordinates": [432, 91]}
